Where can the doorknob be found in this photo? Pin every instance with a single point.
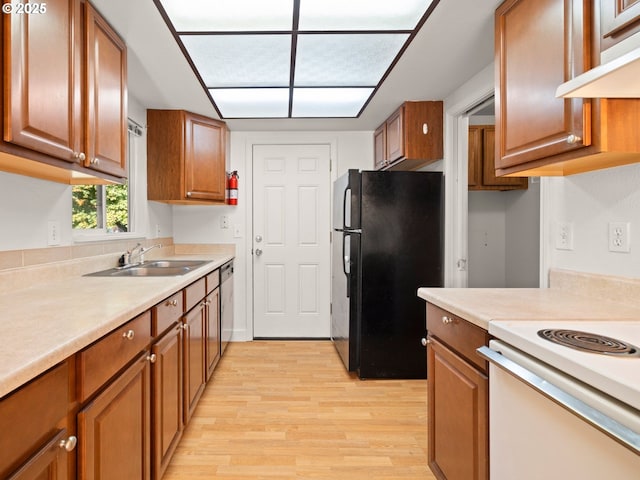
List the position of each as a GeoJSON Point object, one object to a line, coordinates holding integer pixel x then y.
{"type": "Point", "coordinates": [258, 238]}
{"type": "Point", "coordinates": [258, 252]}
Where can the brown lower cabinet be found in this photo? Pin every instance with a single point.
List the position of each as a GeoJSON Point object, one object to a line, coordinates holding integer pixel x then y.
{"type": "Point", "coordinates": [114, 429]}
{"type": "Point", "coordinates": [194, 324]}
{"type": "Point", "coordinates": [37, 438]}
{"type": "Point", "coordinates": [167, 417]}
{"type": "Point", "coordinates": [129, 396]}
{"type": "Point", "coordinates": [457, 398]}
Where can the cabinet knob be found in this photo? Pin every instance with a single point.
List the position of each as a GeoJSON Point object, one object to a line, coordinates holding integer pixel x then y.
{"type": "Point", "coordinates": [95, 161]}
{"type": "Point", "coordinates": [152, 358]}
{"type": "Point", "coordinates": [446, 320]}
{"type": "Point", "coordinates": [185, 326]}
{"type": "Point", "coordinates": [79, 156]}
{"type": "Point", "coordinates": [69, 443]}
{"type": "Point", "coordinates": [172, 303]}
{"type": "Point", "coordinates": [424, 342]}
{"type": "Point", "coordinates": [573, 139]}
{"type": "Point", "coordinates": [189, 194]}
{"type": "Point", "coordinates": [129, 334]}
{"type": "Point", "coordinates": [425, 128]}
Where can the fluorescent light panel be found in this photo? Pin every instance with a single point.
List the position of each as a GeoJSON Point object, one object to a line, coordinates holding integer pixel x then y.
{"type": "Point", "coordinates": [345, 59]}
{"type": "Point", "coordinates": [252, 102]}
{"type": "Point", "coordinates": [241, 60]}
{"type": "Point", "coordinates": [229, 15]}
{"type": "Point", "coordinates": [242, 51]}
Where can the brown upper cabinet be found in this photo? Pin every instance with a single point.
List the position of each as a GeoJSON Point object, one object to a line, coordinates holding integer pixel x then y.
{"type": "Point", "coordinates": [186, 158]}
{"type": "Point", "coordinates": [540, 44]}
{"type": "Point", "coordinates": [482, 170]}
{"type": "Point", "coordinates": [619, 19]}
{"type": "Point", "coordinates": [65, 83]}
{"type": "Point", "coordinates": [410, 138]}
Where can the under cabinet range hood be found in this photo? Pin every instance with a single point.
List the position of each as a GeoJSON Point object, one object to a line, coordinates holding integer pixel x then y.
{"type": "Point", "coordinates": [616, 77]}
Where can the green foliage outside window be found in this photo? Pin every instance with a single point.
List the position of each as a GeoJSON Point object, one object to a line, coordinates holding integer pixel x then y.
{"type": "Point", "coordinates": [88, 212]}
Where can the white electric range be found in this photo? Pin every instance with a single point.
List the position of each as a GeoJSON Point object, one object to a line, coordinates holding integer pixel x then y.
{"type": "Point", "coordinates": [577, 410]}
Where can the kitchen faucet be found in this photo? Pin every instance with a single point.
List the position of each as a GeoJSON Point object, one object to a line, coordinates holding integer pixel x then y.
{"type": "Point", "coordinates": [138, 252]}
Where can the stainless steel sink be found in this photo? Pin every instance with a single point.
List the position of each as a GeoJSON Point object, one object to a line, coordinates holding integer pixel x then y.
{"type": "Point", "coordinates": [152, 268]}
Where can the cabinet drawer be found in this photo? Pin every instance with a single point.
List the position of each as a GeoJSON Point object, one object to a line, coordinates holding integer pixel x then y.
{"type": "Point", "coordinates": [30, 416]}
{"type": "Point", "coordinates": [100, 361]}
{"type": "Point", "coordinates": [194, 293]}
{"type": "Point", "coordinates": [213, 280]}
{"type": "Point", "coordinates": [458, 334]}
{"type": "Point", "coordinates": [166, 313]}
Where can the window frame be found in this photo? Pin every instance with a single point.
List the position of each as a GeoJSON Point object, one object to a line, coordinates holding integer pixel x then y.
{"type": "Point", "coordinates": [135, 132]}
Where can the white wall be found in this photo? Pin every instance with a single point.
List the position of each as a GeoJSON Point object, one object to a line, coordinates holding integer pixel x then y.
{"type": "Point", "coordinates": [590, 201]}
{"type": "Point", "coordinates": [504, 238]}
{"type": "Point", "coordinates": [196, 224]}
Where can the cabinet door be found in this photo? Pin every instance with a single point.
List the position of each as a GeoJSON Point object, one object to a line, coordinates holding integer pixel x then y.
{"type": "Point", "coordinates": [204, 169]}
{"type": "Point", "coordinates": [539, 45]}
{"type": "Point", "coordinates": [395, 135]}
{"type": "Point", "coordinates": [619, 19]}
{"type": "Point", "coordinates": [194, 358]}
{"type": "Point", "coordinates": [42, 102]}
{"type": "Point", "coordinates": [213, 331]}
{"type": "Point", "coordinates": [49, 463]}
{"type": "Point", "coordinates": [167, 418]}
{"type": "Point", "coordinates": [379, 147]}
{"type": "Point", "coordinates": [106, 96]}
{"type": "Point", "coordinates": [488, 173]}
{"type": "Point", "coordinates": [476, 144]}
{"type": "Point", "coordinates": [458, 416]}
{"type": "Point", "coordinates": [114, 429]}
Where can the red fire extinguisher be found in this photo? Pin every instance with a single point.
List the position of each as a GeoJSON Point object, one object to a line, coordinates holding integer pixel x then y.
{"type": "Point", "coordinates": [232, 187]}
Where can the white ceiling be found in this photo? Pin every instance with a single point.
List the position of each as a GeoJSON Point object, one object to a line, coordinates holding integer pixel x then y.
{"type": "Point", "coordinates": [455, 43]}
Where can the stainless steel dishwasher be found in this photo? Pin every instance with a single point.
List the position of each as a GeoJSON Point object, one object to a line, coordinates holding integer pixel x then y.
{"type": "Point", "coordinates": [226, 304]}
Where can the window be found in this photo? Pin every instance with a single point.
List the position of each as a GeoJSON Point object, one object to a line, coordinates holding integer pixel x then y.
{"type": "Point", "coordinates": [105, 208]}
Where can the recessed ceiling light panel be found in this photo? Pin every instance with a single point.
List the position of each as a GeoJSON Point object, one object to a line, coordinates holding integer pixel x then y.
{"type": "Point", "coordinates": [361, 14]}
{"type": "Point", "coordinates": [293, 58]}
{"type": "Point", "coordinates": [252, 102]}
{"type": "Point", "coordinates": [241, 60]}
{"type": "Point", "coordinates": [345, 60]}
{"type": "Point", "coordinates": [329, 102]}
{"type": "Point", "coordinates": [229, 15]}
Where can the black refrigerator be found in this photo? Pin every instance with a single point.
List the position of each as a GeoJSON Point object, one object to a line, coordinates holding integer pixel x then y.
{"type": "Point", "coordinates": [387, 241]}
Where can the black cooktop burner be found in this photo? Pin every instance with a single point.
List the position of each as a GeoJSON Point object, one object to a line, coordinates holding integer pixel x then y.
{"type": "Point", "coordinates": [589, 342]}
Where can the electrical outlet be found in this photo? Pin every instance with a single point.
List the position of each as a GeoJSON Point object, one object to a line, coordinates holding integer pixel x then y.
{"type": "Point", "coordinates": [53, 233]}
{"type": "Point", "coordinates": [564, 236]}
{"type": "Point", "coordinates": [619, 237]}
{"type": "Point", "coordinates": [224, 221]}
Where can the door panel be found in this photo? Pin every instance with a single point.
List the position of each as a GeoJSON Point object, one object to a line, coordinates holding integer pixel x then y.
{"type": "Point", "coordinates": [291, 231]}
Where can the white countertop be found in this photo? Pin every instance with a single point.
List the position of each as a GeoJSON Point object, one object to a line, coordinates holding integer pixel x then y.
{"type": "Point", "coordinates": [482, 305]}
{"type": "Point", "coordinates": [42, 325]}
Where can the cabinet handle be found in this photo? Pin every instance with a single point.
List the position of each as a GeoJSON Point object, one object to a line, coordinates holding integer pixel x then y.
{"type": "Point", "coordinates": [79, 156]}
{"type": "Point", "coordinates": [573, 139]}
{"type": "Point", "coordinates": [129, 334]}
{"type": "Point", "coordinates": [152, 358]}
{"type": "Point", "coordinates": [446, 320]}
{"type": "Point", "coordinates": [95, 161]}
{"type": "Point", "coordinates": [68, 444]}
{"type": "Point", "coordinates": [172, 303]}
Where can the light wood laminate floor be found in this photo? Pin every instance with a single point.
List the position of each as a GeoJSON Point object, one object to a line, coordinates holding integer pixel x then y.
{"type": "Point", "coordinates": [288, 409]}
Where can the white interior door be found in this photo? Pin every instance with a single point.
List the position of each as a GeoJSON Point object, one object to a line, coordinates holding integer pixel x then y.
{"type": "Point", "coordinates": [291, 241]}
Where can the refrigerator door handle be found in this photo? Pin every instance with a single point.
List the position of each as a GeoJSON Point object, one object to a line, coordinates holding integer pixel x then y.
{"type": "Point", "coordinates": [346, 260]}
{"type": "Point", "coordinates": [346, 215]}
